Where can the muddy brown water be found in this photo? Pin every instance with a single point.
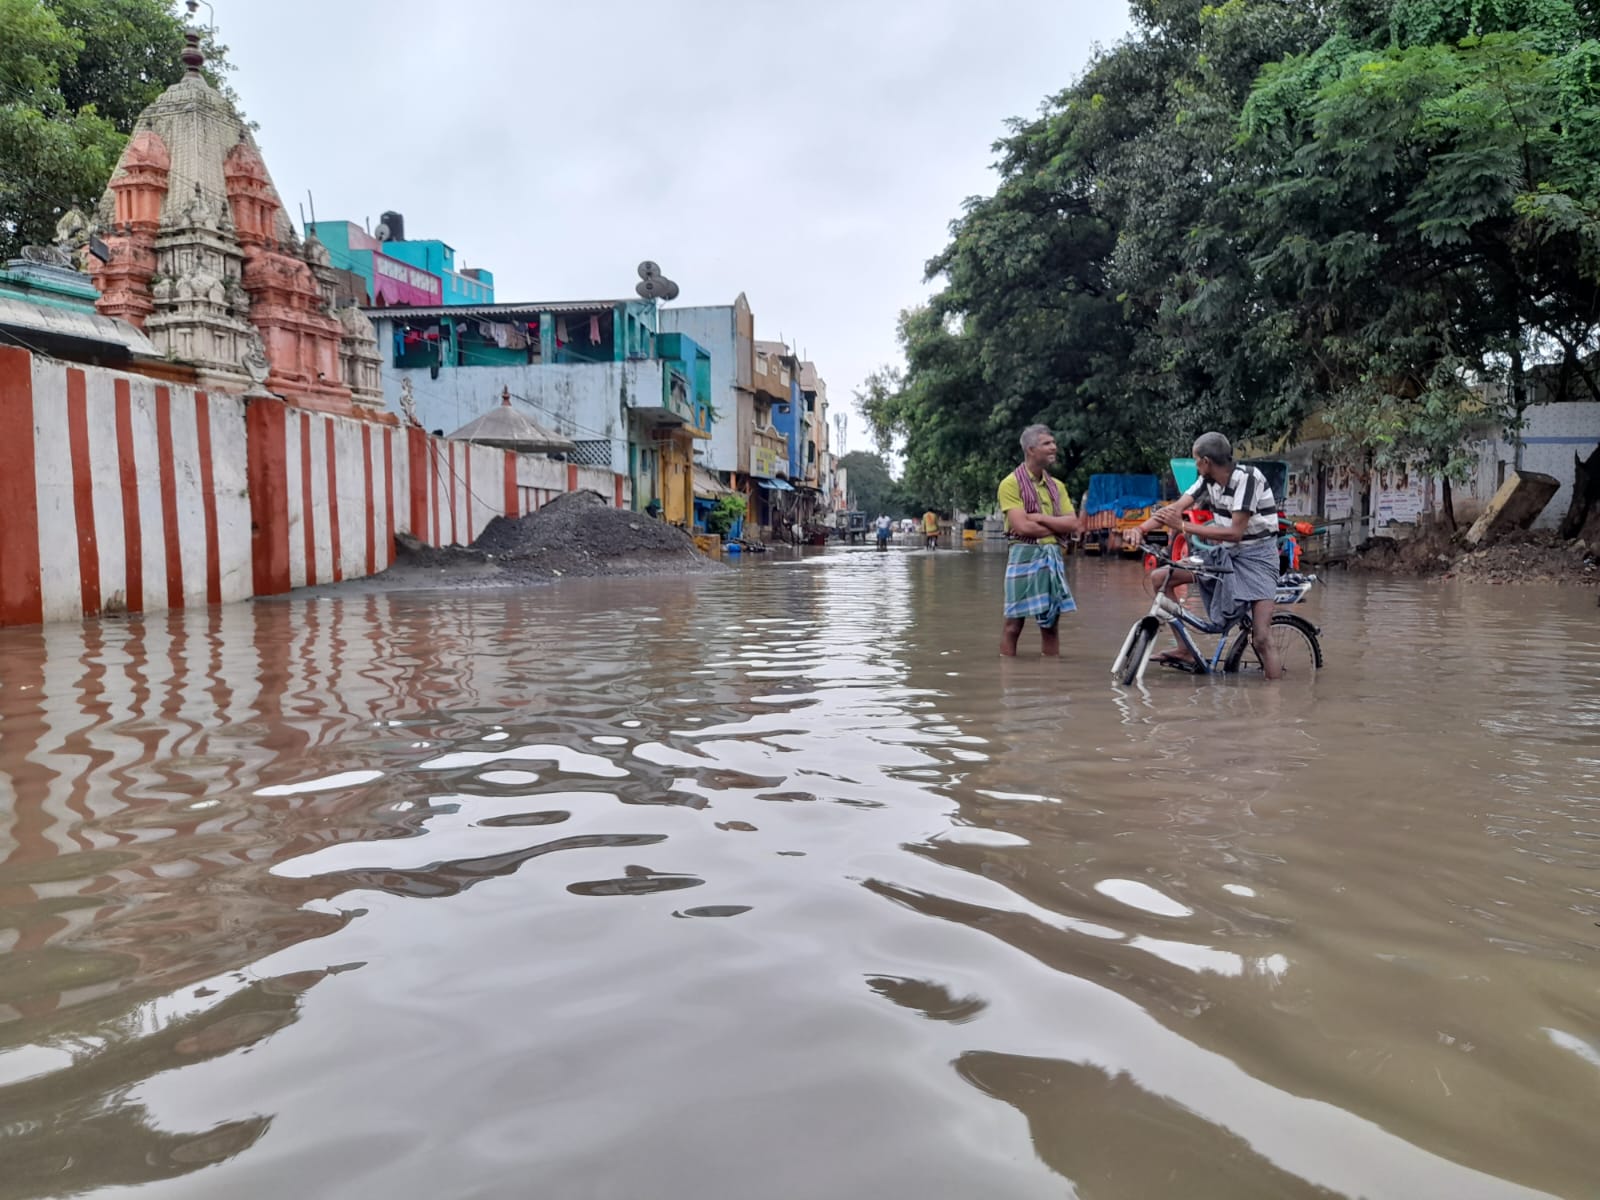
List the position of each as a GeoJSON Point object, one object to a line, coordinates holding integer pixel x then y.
{"type": "Point", "coordinates": [782, 884]}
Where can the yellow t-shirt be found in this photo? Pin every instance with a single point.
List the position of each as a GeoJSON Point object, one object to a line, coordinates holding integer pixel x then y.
{"type": "Point", "coordinates": [1011, 497]}
{"type": "Point", "coordinates": [930, 522]}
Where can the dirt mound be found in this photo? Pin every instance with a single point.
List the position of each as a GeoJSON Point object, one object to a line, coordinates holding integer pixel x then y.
{"type": "Point", "coordinates": [1530, 558]}
{"type": "Point", "coordinates": [582, 523]}
{"type": "Point", "coordinates": [577, 534]}
{"type": "Point", "coordinates": [1517, 558]}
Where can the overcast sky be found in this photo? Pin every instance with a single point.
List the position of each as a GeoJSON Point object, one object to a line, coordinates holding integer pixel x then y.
{"type": "Point", "coordinates": [810, 154]}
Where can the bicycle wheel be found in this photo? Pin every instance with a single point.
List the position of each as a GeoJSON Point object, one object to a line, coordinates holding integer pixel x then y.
{"type": "Point", "coordinates": [1138, 651]}
{"type": "Point", "coordinates": [1299, 651]}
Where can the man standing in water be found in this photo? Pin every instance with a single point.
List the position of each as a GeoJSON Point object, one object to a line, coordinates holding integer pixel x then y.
{"type": "Point", "coordinates": [1038, 511]}
{"type": "Point", "coordinates": [1242, 537]}
{"type": "Point", "coordinates": [883, 531]}
{"type": "Point", "coordinates": [930, 530]}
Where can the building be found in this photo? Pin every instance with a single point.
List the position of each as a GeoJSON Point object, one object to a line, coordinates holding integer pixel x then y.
{"type": "Point", "coordinates": [747, 452]}
{"type": "Point", "coordinates": [633, 400]}
{"type": "Point", "coordinates": [385, 270]}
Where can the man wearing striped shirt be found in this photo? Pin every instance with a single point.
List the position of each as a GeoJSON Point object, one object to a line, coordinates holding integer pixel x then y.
{"type": "Point", "coordinates": [1242, 537]}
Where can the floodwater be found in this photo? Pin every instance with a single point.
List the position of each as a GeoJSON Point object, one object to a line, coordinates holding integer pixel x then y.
{"type": "Point", "coordinates": [781, 884]}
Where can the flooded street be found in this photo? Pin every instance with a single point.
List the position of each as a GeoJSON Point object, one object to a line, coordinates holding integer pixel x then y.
{"type": "Point", "coordinates": [782, 884]}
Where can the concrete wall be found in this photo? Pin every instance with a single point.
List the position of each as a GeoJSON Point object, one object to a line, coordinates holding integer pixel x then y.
{"type": "Point", "coordinates": [117, 493]}
{"type": "Point", "coordinates": [122, 493]}
{"type": "Point", "coordinates": [1553, 434]}
{"type": "Point", "coordinates": [584, 401]}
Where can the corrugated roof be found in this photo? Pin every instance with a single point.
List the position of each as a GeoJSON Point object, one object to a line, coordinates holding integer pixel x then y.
{"type": "Point", "coordinates": [402, 312]}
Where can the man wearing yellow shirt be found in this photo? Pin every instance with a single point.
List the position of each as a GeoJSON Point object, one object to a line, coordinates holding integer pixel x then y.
{"type": "Point", "coordinates": [930, 530]}
{"type": "Point", "coordinates": [1038, 511]}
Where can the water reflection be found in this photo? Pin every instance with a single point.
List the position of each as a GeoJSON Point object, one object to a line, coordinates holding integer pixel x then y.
{"type": "Point", "coordinates": [1207, 939]}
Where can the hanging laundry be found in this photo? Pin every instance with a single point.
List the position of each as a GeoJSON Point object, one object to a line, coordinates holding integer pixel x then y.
{"type": "Point", "coordinates": [500, 335]}
{"type": "Point", "coordinates": [561, 331]}
{"type": "Point", "coordinates": [513, 338]}
{"type": "Point", "coordinates": [594, 330]}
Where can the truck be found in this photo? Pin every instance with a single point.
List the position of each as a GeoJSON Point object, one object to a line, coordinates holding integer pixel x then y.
{"type": "Point", "coordinates": [1113, 507]}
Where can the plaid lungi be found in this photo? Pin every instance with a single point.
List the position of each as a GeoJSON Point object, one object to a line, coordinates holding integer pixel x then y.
{"type": "Point", "coordinates": [1036, 584]}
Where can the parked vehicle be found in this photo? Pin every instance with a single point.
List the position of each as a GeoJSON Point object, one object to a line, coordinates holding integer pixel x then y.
{"type": "Point", "coordinates": [850, 526]}
{"type": "Point", "coordinates": [1113, 508]}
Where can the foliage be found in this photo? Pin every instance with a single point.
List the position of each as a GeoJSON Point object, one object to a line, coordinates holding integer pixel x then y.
{"type": "Point", "coordinates": [1382, 212]}
{"type": "Point", "coordinates": [872, 489]}
{"type": "Point", "coordinates": [723, 517]}
{"type": "Point", "coordinates": [74, 76]}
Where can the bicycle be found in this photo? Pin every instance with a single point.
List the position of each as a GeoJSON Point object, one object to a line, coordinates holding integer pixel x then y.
{"type": "Point", "coordinates": [1296, 639]}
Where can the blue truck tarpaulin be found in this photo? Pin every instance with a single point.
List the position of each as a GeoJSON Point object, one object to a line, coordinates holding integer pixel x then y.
{"type": "Point", "coordinates": [1121, 493]}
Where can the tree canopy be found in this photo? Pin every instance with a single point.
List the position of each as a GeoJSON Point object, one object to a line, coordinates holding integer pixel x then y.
{"type": "Point", "coordinates": [74, 76]}
{"type": "Point", "coordinates": [872, 488]}
{"type": "Point", "coordinates": [1382, 212]}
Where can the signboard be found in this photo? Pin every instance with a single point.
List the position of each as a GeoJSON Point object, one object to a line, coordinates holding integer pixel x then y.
{"type": "Point", "coordinates": [395, 282]}
{"type": "Point", "coordinates": [764, 461]}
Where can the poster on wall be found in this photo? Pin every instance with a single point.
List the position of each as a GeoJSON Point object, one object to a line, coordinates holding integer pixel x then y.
{"type": "Point", "coordinates": [1339, 500]}
{"type": "Point", "coordinates": [1400, 496]}
{"type": "Point", "coordinates": [1302, 498]}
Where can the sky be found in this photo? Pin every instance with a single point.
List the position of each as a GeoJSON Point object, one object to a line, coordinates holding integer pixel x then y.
{"type": "Point", "coordinates": [811, 155]}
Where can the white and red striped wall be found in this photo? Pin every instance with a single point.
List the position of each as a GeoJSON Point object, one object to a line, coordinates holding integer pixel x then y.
{"type": "Point", "coordinates": [117, 493]}
{"type": "Point", "coordinates": [120, 492]}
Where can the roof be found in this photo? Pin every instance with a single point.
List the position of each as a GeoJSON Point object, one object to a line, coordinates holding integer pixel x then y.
{"type": "Point", "coordinates": [707, 486]}
{"type": "Point", "coordinates": [54, 328]}
{"type": "Point", "coordinates": [532, 308]}
{"type": "Point", "coordinates": [509, 429]}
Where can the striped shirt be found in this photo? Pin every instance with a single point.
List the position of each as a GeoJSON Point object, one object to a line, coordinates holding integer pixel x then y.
{"type": "Point", "coordinates": [1247, 491]}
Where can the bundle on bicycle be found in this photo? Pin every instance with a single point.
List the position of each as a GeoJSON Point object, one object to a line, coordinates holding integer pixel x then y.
{"type": "Point", "coordinates": [1295, 638]}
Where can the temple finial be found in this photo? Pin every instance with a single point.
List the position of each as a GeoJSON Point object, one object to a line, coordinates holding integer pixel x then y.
{"type": "Point", "coordinates": [193, 57]}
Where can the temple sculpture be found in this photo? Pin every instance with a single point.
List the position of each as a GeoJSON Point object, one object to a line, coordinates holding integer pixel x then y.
{"type": "Point", "coordinates": [203, 258]}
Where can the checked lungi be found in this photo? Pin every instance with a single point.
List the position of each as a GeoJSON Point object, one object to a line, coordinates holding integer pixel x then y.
{"type": "Point", "coordinates": [1036, 584]}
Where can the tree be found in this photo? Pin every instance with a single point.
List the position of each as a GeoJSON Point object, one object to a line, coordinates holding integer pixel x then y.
{"type": "Point", "coordinates": [873, 489]}
{"type": "Point", "coordinates": [1426, 223]}
{"type": "Point", "coordinates": [1382, 212]}
{"type": "Point", "coordinates": [74, 76]}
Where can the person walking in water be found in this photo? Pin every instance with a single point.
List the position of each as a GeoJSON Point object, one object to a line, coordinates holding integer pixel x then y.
{"type": "Point", "coordinates": [884, 527]}
{"type": "Point", "coordinates": [1242, 537]}
{"type": "Point", "coordinates": [1037, 512]}
{"type": "Point", "coordinates": [930, 530]}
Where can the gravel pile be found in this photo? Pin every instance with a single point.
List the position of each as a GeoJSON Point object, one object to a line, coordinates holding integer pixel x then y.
{"type": "Point", "coordinates": [575, 535]}
{"type": "Point", "coordinates": [582, 523]}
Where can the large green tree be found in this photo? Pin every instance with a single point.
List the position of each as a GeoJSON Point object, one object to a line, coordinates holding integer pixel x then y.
{"type": "Point", "coordinates": [872, 488]}
{"type": "Point", "coordinates": [1386, 212]}
{"type": "Point", "coordinates": [74, 75]}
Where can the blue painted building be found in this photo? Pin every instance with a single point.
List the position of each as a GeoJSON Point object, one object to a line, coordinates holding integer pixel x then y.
{"type": "Point", "coordinates": [390, 272]}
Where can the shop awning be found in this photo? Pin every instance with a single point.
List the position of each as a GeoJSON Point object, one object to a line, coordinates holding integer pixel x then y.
{"type": "Point", "coordinates": [776, 485]}
{"type": "Point", "coordinates": [708, 487]}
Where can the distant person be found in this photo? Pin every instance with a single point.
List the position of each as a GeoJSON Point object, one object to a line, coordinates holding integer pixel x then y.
{"type": "Point", "coordinates": [885, 527]}
{"type": "Point", "coordinates": [1037, 512]}
{"type": "Point", "coordinates": [1242, 537]}
{"type": "Point", "coordinates": [930, 530]}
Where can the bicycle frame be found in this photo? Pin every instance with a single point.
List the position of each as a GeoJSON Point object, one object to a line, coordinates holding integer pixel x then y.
{"type": "Point", "coordinates": [1165, 611]}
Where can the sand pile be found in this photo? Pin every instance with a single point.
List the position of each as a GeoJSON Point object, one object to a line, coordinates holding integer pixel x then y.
{"type": "Point", "coordinates": [578, 534]}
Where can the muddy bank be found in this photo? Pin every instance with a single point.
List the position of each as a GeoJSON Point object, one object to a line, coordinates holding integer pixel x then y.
{"type": "Point", "coordinates": [577, 535]}
{"type": "Point", "coordinates": [1518, 558]}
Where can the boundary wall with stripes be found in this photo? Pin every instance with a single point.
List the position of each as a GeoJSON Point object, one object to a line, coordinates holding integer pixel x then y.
{"type": "Point", "coordinates": [123, 493]}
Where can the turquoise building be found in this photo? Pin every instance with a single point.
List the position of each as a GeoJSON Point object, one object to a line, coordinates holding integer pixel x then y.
{"type": "Point", "coordinates": [390, 272]}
